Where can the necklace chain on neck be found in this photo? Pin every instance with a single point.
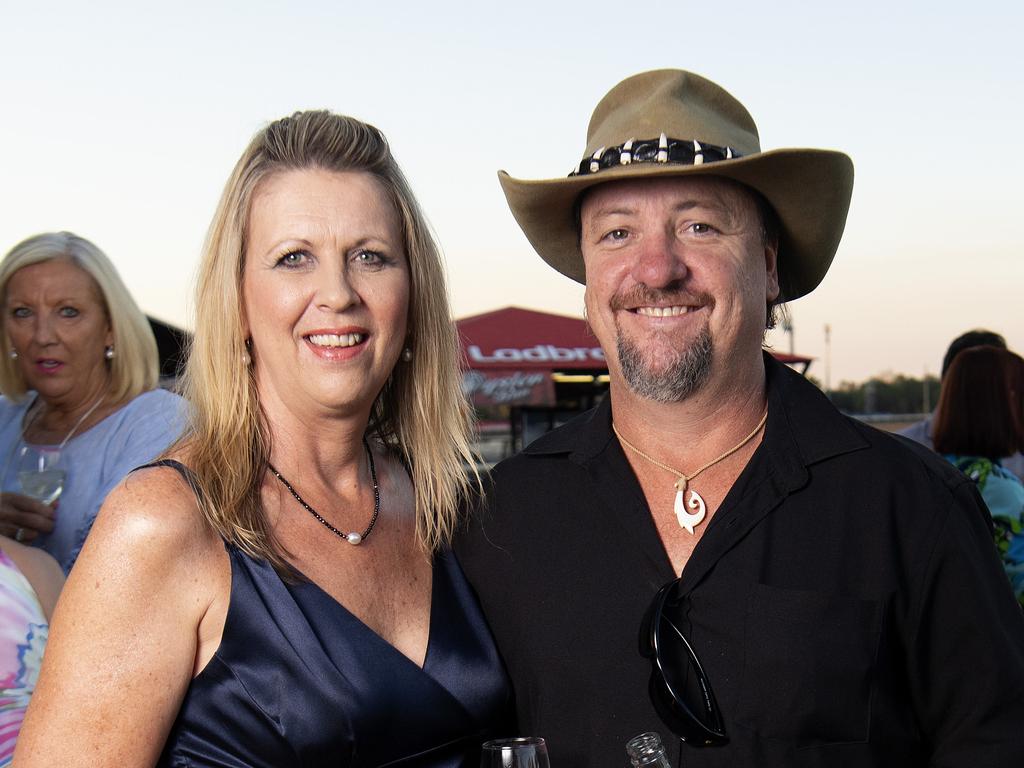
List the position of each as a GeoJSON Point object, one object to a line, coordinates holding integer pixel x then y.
{"type": "Point", "coordinates": [710, 464]}
{"type": "Point", "coordinates": [685, 518]}
{"type": "Point", "coordinates": [75, 426]}
{"type": "Point", "coordinates": [353, 537]}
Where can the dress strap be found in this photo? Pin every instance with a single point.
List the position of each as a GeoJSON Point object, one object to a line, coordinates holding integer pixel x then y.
{"type": "Point", "coordinates": [187, 474]}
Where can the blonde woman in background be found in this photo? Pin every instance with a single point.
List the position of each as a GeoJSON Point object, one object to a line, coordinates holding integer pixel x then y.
{"type": "Point", "coordinates": [285, 594]}
{"type": "Point", "coordinates": [78, 373]}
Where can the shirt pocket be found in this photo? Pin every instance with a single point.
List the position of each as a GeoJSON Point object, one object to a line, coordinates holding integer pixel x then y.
{"type": "Point", "coordinates": [809, 661]}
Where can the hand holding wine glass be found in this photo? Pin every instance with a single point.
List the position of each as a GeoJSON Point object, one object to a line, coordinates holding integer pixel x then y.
{"type": "Point", "coordinates": [23, 518]}
{"type": "Point", "coordinates": [522, 752]}
{"type": "Point", "coordinates": [40, 472]}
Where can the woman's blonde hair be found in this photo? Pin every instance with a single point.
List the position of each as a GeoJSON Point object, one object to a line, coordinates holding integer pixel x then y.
{"type": "Point", "coordinates": [420, 414]}
{"type": "Point", "coordinates": [135, 367]}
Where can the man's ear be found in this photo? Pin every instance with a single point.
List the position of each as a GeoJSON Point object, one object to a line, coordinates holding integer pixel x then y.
{"type": "Point", "coordinates": [771, 265]}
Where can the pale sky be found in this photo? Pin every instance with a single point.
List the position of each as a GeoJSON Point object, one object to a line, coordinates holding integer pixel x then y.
{"type": "Point", "coordinates": [121, 121]}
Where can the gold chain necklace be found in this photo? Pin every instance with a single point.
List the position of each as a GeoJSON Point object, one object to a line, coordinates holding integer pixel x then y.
{"type": "Point", "coordinates": [686, 519]}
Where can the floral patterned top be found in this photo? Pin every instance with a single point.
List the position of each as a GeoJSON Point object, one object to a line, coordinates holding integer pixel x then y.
{"type": "Point", "coordinates": [1004, 495]}
{"type": "Point", "coordinates": [23, 631]}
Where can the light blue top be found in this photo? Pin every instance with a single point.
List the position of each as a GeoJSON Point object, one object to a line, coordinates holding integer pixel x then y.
{"type": "Point", "coordinates": [1004, 495]}
{"type": "Point", "coordinates": [94, 461]}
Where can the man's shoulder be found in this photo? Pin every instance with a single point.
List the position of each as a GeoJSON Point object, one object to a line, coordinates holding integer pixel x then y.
{"type": "Point", "coordinates": [523, 487]}
{"type": "Point", "coordinates": [894, 457]}
{"type": "Point", "coordinates": [825, 434]}
{"type": "Point", "coordinates": [579, 433]}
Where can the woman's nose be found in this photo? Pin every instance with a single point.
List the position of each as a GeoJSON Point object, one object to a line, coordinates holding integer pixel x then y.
{"type": "Point", "coordinates": [335, 291]}
{"type": "Point", "coordinates": [43, 331]}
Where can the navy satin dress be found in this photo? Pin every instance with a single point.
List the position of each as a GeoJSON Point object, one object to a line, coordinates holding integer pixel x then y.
{"type": "Point", "coordinates": [300, 681]}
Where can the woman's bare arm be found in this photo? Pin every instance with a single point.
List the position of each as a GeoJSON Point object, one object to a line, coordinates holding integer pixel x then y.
{"type": "Point", "coordinates": [123, 639]}
{"type": "Point", "coordinates": [40, 570]}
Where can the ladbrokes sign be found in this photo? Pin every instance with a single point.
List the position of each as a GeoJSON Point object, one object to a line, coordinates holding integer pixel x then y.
{"type": "Point", "coordinates": [541, 353]}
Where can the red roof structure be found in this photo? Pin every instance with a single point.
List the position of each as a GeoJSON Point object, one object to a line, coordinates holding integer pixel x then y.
{"type": "Point", "coordinates": [528, 340]}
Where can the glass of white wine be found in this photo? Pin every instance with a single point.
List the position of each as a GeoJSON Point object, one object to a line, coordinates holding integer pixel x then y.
{"type": "Point", "coordinates": [522, 752]}
{"type": "Point", "coordinates": [40, 472]}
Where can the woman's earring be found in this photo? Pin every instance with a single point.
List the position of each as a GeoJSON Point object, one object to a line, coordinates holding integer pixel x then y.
{"type": "Point", "coordinates": [13, 354]}
{"type": "Point", "coordinates": [407, 355]}
{"type": "Point", "coordinates": [246, 357]}
{"type": "Point", "coordinates": [108, 353]}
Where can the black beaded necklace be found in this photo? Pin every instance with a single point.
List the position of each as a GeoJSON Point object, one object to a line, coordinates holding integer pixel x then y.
{"type": "Point", "coordinates": [353, 538]}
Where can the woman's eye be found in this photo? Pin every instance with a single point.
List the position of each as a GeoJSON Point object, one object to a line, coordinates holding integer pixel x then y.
{"type": "Point", "coordinates": [21, 312]}
{"type": "Point", "coordinates": [68, 312]}
{"type": "Point", "coordinates": [368, 257]}
{"type": "Point", "coordinates": [293, 259]}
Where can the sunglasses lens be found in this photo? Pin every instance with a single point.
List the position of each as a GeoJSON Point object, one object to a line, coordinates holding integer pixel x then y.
{"type": "Point", "coordinates": [677, 664]}
{"type": "Point", "coordinates": [680, 691]}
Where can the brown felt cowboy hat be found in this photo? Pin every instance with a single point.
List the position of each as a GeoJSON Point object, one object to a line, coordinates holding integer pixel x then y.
{"type": "Point", "coordinates": [674, 123]}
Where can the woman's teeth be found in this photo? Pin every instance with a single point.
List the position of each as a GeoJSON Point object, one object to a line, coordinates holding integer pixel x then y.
{"type": "Point", "coordinates": [336, 339]}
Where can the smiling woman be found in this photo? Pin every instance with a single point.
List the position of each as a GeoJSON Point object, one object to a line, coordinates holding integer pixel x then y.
{"type": "Point", "coordinates": [321, 243]}
{"type": "Point", "coordinates": [285, 594]}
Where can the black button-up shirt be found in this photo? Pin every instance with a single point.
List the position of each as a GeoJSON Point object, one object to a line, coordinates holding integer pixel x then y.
{"type": "Point", "coordinates": [845, 600]}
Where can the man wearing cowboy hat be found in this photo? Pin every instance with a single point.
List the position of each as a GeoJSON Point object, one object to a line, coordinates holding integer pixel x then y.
{"type": "Point", "coordinates": [715, 552]}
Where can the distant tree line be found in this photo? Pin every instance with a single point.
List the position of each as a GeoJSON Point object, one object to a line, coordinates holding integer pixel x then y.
{"type": "Point", "coordinates": [888, 393]}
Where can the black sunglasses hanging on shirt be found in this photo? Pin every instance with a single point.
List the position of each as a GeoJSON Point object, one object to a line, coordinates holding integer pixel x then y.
{"type": "Point", "coordinates": [678, 687]}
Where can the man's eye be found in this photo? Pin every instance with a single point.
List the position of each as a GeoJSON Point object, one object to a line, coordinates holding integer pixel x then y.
{"type": "Point", "coordinates": [616, 235]}
{"type": "Point", "coordinates": [700, 228]}
{"type": "Point", "coordinates": [68, 312]}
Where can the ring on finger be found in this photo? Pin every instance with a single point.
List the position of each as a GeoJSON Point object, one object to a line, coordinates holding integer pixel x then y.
{"type": "Point", "coordinates": [19, 535]}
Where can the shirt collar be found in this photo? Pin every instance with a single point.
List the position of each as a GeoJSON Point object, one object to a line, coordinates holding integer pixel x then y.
{"type": "Point", "coordinates": [803, 426]}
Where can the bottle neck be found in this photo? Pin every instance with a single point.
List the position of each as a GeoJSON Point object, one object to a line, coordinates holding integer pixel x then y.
{"type": "Point", "coordinates": [646, 751]}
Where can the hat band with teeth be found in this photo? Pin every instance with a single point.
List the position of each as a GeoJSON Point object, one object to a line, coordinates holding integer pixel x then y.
{"type": "Point", "coordinates": [660, 150]}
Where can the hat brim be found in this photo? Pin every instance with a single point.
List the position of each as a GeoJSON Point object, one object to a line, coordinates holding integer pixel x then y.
{"type": "Point", "coordinates": [809, 189]}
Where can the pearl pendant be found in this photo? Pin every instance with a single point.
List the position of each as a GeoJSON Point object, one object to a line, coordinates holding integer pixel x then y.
{"type": "Point", "coordinates": [354, 538]}
{"type": "Point", "coordinates": [686, 520]}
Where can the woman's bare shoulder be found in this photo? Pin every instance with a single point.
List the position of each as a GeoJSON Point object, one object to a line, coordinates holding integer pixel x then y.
{"type": "Point", "coordinates": [153, 513]}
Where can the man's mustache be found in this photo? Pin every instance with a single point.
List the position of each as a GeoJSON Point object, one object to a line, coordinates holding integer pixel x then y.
{"type": "Point", "coordinates": [642, 295]}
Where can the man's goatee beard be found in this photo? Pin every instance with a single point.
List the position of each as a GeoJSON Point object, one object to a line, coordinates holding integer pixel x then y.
{"type": "Point", "coordinates": [675, 382]}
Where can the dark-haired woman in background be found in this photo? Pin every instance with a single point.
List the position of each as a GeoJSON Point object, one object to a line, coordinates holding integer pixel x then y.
{"type": "Point", "coordinates": [976, 422]}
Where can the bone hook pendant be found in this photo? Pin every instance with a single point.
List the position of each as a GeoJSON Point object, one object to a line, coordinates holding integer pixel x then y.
{"type": "Point", "coordinates": [686, 519]}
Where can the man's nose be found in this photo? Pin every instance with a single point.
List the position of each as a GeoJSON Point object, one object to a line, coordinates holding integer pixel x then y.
{"type": "Point", "coordinates": [660, 261]}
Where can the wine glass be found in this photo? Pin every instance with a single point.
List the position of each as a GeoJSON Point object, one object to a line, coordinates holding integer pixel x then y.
{"type": "Point", "coordinates": [522, 752]}
{"type": "Point", "coordinates": [40, 472]}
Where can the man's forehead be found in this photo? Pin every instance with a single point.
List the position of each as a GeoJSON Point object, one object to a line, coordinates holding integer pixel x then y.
{"type": "Point", "coordinates": [629, 195]}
